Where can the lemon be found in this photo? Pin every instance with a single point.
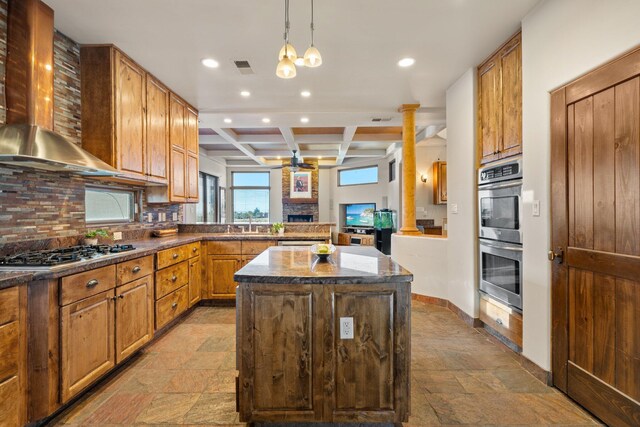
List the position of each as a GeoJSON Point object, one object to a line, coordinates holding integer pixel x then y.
{"type": "Point", "coordinates": [323, 249]}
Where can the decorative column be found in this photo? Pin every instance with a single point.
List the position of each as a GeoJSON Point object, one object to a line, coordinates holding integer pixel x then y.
{"type": "Point", "coordinates": [409, 169]}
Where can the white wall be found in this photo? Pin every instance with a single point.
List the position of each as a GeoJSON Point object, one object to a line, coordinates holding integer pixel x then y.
{"type": "Point", "coordinates": [324, 195]}
{"type": "Point", "coordinates": [461, 191]}
{"type": "Point", "coordinates": [212, 167]}
{"type": "Point", "coordinates": [426, 258]}
{"type": "Point", "coordinates": [561, 40]}
{"type": "Point", "coordinates": [426, 155]}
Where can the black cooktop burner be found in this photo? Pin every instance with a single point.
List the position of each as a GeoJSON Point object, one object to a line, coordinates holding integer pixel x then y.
{"type": "Point", "coordinates": [61, 256]}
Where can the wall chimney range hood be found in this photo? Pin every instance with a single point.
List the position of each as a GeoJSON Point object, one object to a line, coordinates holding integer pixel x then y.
{"type": "Point", "coordinates": [27, 139]}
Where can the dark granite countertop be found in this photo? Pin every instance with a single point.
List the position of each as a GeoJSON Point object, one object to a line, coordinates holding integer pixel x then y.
{"type": "Point", "coordinates": [347, 265]}
{"type": "Point", "coordinates": [143, 247]}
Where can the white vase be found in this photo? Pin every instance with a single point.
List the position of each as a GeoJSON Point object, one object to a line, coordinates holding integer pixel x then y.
{"type": "Point", "coordinates": [90, 242]}
{"type": "Point", "coordinates": [281, 232]}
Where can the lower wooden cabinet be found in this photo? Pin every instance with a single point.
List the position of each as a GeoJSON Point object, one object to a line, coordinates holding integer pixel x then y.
{"type": "Point", "coordinates": [171, 306]}
{"type": "Point", "coordinates": [502, 319]}
{"type": "Point", "coordinates": [13, 356]}
{"type": "Point", "coordinates": [195, 280]}
{"type": "Point", "coordinates": [87, 342]}
{"type": "Point", "coordinates": [220, 271]}
{"type": "Point", "coordinates": [246, 259]}
{"type": "Point", "coordinates": [134, 316]}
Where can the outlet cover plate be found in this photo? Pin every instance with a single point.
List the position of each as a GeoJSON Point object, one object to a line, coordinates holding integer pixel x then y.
{"type": "Point", "coordinates": [346, 328]}
{"type": "Point", "coordinates": [117, 235]}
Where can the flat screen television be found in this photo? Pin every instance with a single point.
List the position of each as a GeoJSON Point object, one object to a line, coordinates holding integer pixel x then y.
{"type": "Point", "coordinates": [359, 214]}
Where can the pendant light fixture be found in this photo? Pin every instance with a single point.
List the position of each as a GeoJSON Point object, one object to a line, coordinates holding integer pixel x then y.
{"type": "Point", "coordinates": [286, 68]}
{"type": "Point", "coordinates": [312, 56]}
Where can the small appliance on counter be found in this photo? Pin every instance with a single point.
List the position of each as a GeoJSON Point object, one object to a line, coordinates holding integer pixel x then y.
{"type": "Point", "coordinates": [54, 257]}
{"type": "Point", "coordinates": [384, 224]}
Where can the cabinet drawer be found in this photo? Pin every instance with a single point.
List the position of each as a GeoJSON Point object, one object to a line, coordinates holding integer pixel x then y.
{"type": "Point", "coordinates": [82, 285]}
{"type": "Point", "coordinates": [9, 305]}
{"type": "Point", "coordinates": [9, 350]}
{"type": "Point", "coordinates": [10, 401]}
{"type": "Point", "coordinates": [171, 306]}
{"type": "Point", "coordinates": [193, 249]}
{"type": "Point", "coordinates": [172, 256]}
{"type": "Point", "coordinates": [134, 269]}
{"type": "Point", "coordinates": [253, 247]}
{"type": "Point", "coordinates": [224, 247]}
{"type": "Point", "coordinates": [171, 278]}
{"type": "Point", "coordinates": [502, 319]}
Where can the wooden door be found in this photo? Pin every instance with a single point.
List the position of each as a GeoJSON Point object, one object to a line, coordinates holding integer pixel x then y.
{"type": "Point", "coordinates": [157, 137]}
{"type": "Point", "coordinates": [178, 175]}
{"type": "Point", "coordinates": [134, 316]}
{"type": "Point", "coordinates": [130, 116]}
{"type": "Point", "coordinates": [193, 178]}
{"type": "Point", "coordinates": [177, 122]}
{"type": "Point", "coordinates": [440, 183]}
{"type": "Point", "coordinates": [596, 225]}
{"type": "Point", "coordinates": [195, 282]}
{"type": "Point", "coordinates": [87, 342]}
{"type": "Point", "coordinates": [283, 378]}
{"type": "Point", "coordinates": [511, 84]}
{"type": "Point", "coordinates": [220, 271]}
{"type": "Point", "coordinates": [191, 143]}
{"type": "Point", "coordinates": [490, 120]}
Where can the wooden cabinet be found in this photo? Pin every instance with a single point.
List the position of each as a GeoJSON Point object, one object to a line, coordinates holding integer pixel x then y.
{"type": "Point", "coordinates": [195, 280]}
{"type": "Point", "coordinates": [173, 282]}
{"type": "Point", "coordinates": [500, 103]}
{"type": "Point", "coordinates": [440, 183]}
{"type": "Point", "coordinates": [348, 239]}
{"type": "Point", "coordinates": [86, 342]}
{"type": "Point", "coordinates": [344, 239]}
{"type": "Point", "coordinates": [133, 316]}
{"type": "Point", "coordinates": [13, 356]}
{"type": "Point", "coordinates": [501, 319]}
{"type": "Point", "coordinates": [171, 306]}
{"type": "Point", "coordinates": [133, 122]}
{"type": "Point", "coordinates": [220, 271]}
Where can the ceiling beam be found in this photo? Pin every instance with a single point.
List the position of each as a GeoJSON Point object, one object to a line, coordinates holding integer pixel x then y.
{"type": "Point", "coordinates": [365, 153]}
{"type": "Point", "coordinates": [231, 137]}
{"type": "Point", "coordinates": [347, 137]}
{"type": "Point", "coordinates": [289, 138]}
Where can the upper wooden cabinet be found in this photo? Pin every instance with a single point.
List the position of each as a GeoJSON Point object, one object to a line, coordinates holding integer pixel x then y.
{"type": "Point", "coordinates": [500, 103]}
{"type": "Point", "coordinates": [136, 124]}
{"type": "Point", "coordinates": [440, 183]}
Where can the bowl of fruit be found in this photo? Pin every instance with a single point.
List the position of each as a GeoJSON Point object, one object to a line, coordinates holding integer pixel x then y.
{"type": "Point", "coordinates": [323, 250]}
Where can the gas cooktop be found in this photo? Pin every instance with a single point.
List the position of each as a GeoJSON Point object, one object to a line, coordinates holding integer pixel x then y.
{"type": "Point", "coordinates": [54, 257]}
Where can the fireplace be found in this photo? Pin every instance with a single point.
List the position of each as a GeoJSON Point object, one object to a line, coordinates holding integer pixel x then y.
{"type": "Point", "coordinates": [300, 218]}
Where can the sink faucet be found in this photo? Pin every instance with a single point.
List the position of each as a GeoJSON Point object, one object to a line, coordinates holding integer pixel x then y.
{"type": "Point", "coordinates": [228, 229]}
{"type": "Point", "coordinates": [250, 223]}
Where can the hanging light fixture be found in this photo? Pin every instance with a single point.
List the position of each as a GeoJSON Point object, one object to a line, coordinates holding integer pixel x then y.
{"type": "Point", "coordinates": [286, 68]}
{"type": "Point", "coordinates": [312, 56]}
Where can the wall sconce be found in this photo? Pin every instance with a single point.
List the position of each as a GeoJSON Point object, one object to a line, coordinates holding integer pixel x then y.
{"type": "Point", "coordinates": [423, 177]}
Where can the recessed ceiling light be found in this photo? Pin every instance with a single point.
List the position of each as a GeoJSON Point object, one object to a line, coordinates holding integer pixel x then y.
{"type": "Point", "coordinates": [406, 62]}
{"type": "Point", "coordinates": [245, 93]}
{"type": "Point", "coordinates": [305, 93]}
{"type": "Point", "coordinates": [266, 120]}
{"type": "Point", "coordinates": [227, 120]}
{"type": "Point", "coordinates": [304, 120]}
{"type": "Point", "coordinates": [210, 63]}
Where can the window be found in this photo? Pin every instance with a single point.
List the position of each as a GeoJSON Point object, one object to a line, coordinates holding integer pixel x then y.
{"type": "Point", "coordinates": [358, 176]}
{"type": "Point", "coordinates": [250, 196]}
{"type": "Point", "coordinates": [105, 205]}
{"type": "Point", "coordinates": [392, 170]}
{"type": "Point", "coordinates": [208, 206]}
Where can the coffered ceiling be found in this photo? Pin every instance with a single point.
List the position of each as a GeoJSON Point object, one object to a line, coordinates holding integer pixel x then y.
{"type": "Point", "coordinates": [359, 81]}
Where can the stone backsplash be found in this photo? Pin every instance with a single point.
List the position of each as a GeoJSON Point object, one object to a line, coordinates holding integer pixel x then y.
{"type": "Point", "coordinates": [317, 227]}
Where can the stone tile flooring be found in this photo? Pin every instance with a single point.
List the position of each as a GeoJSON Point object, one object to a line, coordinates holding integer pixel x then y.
{"type": "Point", "coordinates": [459, 377]}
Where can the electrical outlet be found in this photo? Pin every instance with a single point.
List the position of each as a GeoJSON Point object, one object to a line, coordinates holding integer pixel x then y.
{"type": "Point", "coordinates": [536, 208]}
{"type": "Point", "coordinates": [150, 217]}
{"type": "Point", "coordinates": [454, 208]}
{"type": "Point", "coordinates": [346, 328]}
{"type": "Point", "coordinates": [175, 216]}
{"type": "Point", "coordinates": [163, 216]}
{"type": "Point", "coordinates": [117, 235]}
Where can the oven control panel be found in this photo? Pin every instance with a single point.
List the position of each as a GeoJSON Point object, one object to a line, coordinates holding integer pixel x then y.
{"type": "Point", "coordinates": [505, 170]}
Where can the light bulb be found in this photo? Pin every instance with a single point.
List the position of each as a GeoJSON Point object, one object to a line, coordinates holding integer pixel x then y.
{"type": "Point", "coordinates": [299, 62]}
{"type": "Point", "coordinates": [312, 57]}
{"type": "Point", "coordinates": [290, 51]}
{"type": "Point", "coordinates": [286, 69]}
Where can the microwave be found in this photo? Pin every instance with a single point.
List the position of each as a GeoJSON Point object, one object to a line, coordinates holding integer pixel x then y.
{"type": "Point", "coordinates": [500, 201]}
{"type": "Point", "coordinates": [501, 272]}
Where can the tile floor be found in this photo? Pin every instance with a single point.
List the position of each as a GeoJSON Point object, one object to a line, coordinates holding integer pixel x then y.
{"type": "Point", "coordinates": [459, 377]}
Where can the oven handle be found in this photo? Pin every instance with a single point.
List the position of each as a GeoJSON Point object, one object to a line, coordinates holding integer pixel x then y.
{"type": "Point", "coordinates": [502, 246]}
{"type": "Point", "coordinates": [498, 185]}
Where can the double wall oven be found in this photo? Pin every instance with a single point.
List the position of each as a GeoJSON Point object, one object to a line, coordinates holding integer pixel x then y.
{"type": "Point", "coordinates": [500, 232]}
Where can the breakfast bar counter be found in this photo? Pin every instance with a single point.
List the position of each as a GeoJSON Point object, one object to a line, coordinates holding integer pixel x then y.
{"type": "Point", "coordinates": [323, 340]}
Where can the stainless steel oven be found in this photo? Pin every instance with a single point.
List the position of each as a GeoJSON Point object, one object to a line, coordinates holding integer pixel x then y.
{"type": "Point", "coordinates": [500, 201]}
{"type": "Point", "coordinates": [501, 271]}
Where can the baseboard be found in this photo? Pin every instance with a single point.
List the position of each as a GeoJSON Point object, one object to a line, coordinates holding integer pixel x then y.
{"type": "Point", "coordinates": [540, 374]}
{"type": "Point", "coordinates": [218, 302]}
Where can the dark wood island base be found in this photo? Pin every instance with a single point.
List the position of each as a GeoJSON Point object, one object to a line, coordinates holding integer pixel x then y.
{"type": "Point", "coordinates": [297, 363]}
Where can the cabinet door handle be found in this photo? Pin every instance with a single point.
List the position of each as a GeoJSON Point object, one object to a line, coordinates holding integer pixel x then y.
{"type": "Point", "coordinates": [175, 256]}
{"type": "Point", "coordinates": [121, 296]}
{"type": "Point", "coordinates": [113, 298]}
{"type": "Point", "coordinates": [174, 278]}
{"type": "Point", "coordinates": [92, 283]}
{"type": "Point", "coordinates": [195, 249]}
{"type": "Point", "coordinates": [174, 305]}
{"type": "Point", "coordinates": [136, 269]}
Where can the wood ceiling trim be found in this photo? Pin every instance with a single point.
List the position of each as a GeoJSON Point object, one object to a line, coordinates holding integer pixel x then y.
{"type": "Point", "coordinates": [256, 131]}
{"type": "Point", "coordinates": [318, 131]}
{"type": "Point", "coordinates": [376, 130]}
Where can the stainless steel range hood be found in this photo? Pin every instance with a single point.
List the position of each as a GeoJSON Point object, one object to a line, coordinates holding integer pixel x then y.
{"type": "Point", "coordinates": [27, 140]}
{"type": "Point", "coordinates": [36, 147]}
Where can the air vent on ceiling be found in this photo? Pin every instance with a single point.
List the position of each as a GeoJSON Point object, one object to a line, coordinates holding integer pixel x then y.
{"type": "Point", "coordinates": [244, 67]}
{"type": "Point", "coordinates": [381, 119]}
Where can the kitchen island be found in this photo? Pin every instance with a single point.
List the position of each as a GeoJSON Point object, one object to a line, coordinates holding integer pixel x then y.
{"type": "Point", "coordinates": [323, 341]}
